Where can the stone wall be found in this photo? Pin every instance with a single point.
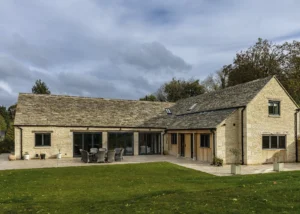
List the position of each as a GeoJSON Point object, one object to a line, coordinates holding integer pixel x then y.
{"type": "Point", "coordinates": [62, 139]}
{"type": "Point", "coordinates": [259, 122]}
{"type": "Point", "coordinates": [228, 136]}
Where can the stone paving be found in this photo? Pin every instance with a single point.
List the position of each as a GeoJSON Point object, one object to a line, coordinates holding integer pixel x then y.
{"type": "Point", "coordinates": [188, 163]}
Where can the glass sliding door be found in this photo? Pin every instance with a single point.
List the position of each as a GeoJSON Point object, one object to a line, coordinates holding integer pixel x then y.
{"type": "Point", "coordinates": [78, 144]}
{"type": "Point", "coordinates": [121, 140]}
{"type": "Point", "coordinates": [149, 143]}
{"type": "Point", "coordinates": [86, 141]}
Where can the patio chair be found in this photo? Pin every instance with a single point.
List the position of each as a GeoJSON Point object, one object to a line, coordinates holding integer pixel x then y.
{"type": "Point", "coordinates": [119, 154]}
{"type": "Point", "coordinates": [111, 156]}
{"type": "Point", "coordinates": [100, 157]}
{"type": "Point", "coordinates": [103, 149]}
{"type": "Point", "coordinates": [93, 150]}
{"type": "Point", "coordinates": [85, 156]}
{"type": "Point", "coordinates": [80, 150]}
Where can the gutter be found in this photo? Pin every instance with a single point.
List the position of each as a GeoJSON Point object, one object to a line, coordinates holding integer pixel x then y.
{"type": "Point", "coordinates": [73, 126]}
{"type": "Point", "coordinates": [242, 130]}
{"type": "Point", "coordinates": [213, 131]}
{"type": "Point", "coordinates": [168, 130]}
{"type": "Point", "coordinates": [296, 134]}
{"type": "Point", "coordinates": [21, 141]}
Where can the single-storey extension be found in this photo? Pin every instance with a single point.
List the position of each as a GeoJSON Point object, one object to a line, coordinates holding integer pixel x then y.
{"type": "Point", "coordinates": [259, 118]}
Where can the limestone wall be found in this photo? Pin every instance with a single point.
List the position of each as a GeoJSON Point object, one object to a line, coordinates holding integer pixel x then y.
{"type": "Point", "coordinates": [259, 122]}
{"type": "Point", "coordinates": [62, 139]}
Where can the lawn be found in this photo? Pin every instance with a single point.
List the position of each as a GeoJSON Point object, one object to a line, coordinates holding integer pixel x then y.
{"type": "Point", "coordinates": [145, 188]}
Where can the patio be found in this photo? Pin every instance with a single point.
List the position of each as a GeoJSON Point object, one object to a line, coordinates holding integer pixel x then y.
{"type": "Point", "coordinates": [5, 164]}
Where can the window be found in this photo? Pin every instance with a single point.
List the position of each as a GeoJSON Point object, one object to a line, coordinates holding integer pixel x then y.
{"type": "Point", "coordinates": [274, 142]}
{"type": "Point", "coordinates": [121, 140]}
{"type": "Point", "coordinates": [274, 107]}
{"type": "Point", "coordinates": [149, 143]}
{"type": "Point", "coordinates": [204, 141]}
{"type": "Point", "coordinates": [173, 138]}
{"type": "Point", "coordinates": [86, 141]}
{"type": "Point", "coordinates": [43, 139]}
{"type": "Point", "coordinates": [168, 111]}
{"type": "Point", "coordinates": [192, 107]}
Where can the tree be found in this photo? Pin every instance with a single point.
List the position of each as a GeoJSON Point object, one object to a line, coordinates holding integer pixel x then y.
{"type": "Point", "coordinates": [160, 94]}
{"type": "Point", "coordinates": [3, 125]}
{"type": "Point", "coordinates": [265, 59]}
{"type": "Point", "coordinates": [150, 97]}
{"type": "Point", "coordinates": [40, 88]}
{"type": "Point", "coordinates": [5, 114]}
{"type": "Point", "coordinates": [180, 89]}
{"type": "Point", "coordinates": [10, 134]}
{"type": "Point", "coordinates": [210, 83]}
{"type": "Point", "coordinates": [176, 90]}
{"type": "Point", "coordinates": [12, 111]}
{"type": "Point", "coordinates": [7, 145]}
{"type": "Point", "coordinates": [260, 60]}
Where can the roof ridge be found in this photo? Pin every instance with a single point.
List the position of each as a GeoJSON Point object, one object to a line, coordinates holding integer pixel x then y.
{"type": "Point", "coordinates": [209, 110]}
{"type": "Point", "coordinates": [83, 97]}
{"type": "Point", "coordinates": [229, 88]}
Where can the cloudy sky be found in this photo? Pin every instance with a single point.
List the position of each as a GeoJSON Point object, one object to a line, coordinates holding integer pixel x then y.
{"type": "Point", "coordinates": [127, 49]}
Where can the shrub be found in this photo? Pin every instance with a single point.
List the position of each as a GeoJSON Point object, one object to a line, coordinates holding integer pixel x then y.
{"type": "Point", "coordinates": [10, 134]}
{"type": "Point", "coordinates": [6, 146]}
{"type": "Point", "coordinates": [217, 161]}
{"type": "Point", "coordinates": [3, 125]}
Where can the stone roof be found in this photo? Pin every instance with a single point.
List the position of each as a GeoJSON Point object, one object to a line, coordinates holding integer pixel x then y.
{"type": "Point", "coordinates": [201, 120]}
{"type": "Point", "coordinates": [208, 111]}
{"type": "Point", "coordinates": [231, 97]}
{"type": "Point", "coordinates": [58, 110]}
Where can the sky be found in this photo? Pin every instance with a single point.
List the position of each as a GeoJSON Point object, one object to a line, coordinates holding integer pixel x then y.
{"type": "Point", "coordinates": [125, 49]}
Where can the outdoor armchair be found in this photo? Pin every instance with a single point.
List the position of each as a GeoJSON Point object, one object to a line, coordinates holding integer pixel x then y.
{"type": "Point", "coordinates": [93, 150]}
{"type": "Point", "coordinates": [119, 154]}
{"type": "Point", "coordinates": [100, 157]}
{"type": "Point", "coordinates": [85, 156]}
{"type": "Point", "coordinates": [111, 156]}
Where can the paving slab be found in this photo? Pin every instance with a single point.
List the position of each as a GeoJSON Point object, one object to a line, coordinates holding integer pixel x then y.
{"type": "Point", "coordinates": [5, 164]}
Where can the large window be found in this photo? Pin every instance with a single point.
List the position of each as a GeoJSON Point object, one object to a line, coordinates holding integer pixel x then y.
{"type": "Point", "coordinates": [174, 138]}
{"type": "Point", "coordinates": [149, 143]}
{"type": "Point", "coordinates": [204, 141]}
{"type": "Point", "coordinates": [274, 107]}
{"type": "Point", "coordinates": [121, 140]}
{"type": "Point", "coordinates": [42, 139]}
{"type": "Point", "coordinates": [86, 141]}
{"type": "Point", "coordinates": [274, 142]}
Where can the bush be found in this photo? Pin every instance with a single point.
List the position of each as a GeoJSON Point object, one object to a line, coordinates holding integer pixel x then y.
{"type": "Point", "coordinates": [6, 146]}
{"type": "Point", "coordinates": [10, 133]}
{"type": "Point", "coordinates": [3, 125]}
{"type": "Point", "coordinates": [217, 161]}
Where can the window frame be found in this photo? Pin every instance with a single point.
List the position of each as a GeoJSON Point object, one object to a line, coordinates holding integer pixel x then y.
{"type": "Point", "coordinates": [113, 140]}
{"type": "Point", "coordinates": [278, 142]}
{"type": "Point", "coordinates": [43, 139]}
{"type": "Point", "coordinates": [206, 144]}
{"type": "Point", "coordinates": [174, 138]}
{"type": "Point", "coordinates": [279, 107]}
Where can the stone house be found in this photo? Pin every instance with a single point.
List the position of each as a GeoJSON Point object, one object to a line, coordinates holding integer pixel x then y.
{"type": "Point", "coordinates": [259, 118]}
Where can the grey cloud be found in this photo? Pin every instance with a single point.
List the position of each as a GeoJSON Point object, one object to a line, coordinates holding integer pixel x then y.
{"type": "Point", "coordinates": [12, 68]}
{"type": "Point", "coordinates": [126, 49]}
{"type": "Point", "coordinates": [153, 56]}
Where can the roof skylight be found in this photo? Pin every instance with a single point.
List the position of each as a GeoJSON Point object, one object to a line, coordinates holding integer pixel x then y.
{"type": "Point", "coordinates": [192, 107]}
{"type": "Point", "coordinates": [168, 111]}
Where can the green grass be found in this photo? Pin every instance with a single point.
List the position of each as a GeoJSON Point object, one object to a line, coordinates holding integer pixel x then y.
{"type": "Point", "coordinates": [145, 188]}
